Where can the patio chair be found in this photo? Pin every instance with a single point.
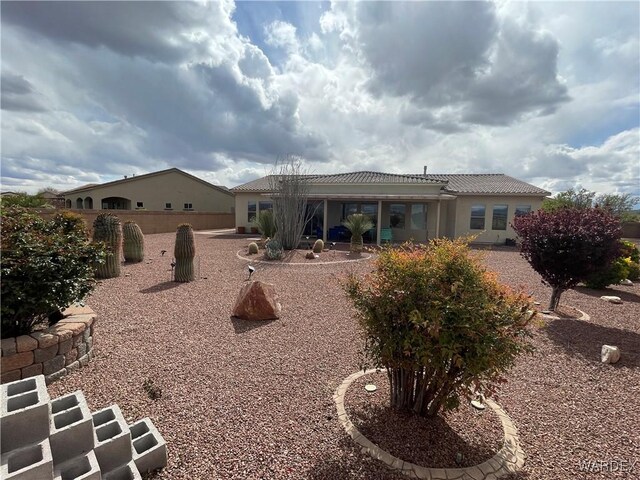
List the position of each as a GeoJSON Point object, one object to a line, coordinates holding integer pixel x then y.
{"type": "Point", "coordinates": [386, 235]}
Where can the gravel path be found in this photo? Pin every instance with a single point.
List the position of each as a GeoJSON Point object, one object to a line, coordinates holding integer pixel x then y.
{"type": "Point", "coordinates": [246, 400]}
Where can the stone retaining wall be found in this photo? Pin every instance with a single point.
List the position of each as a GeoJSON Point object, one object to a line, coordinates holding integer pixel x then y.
{"type": "Point", "coordinates": [62, 348]}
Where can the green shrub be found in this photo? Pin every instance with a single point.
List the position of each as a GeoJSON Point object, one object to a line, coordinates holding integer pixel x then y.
{"type": "Point", "coordinates": [318, 246]}
{"type": "Point", "coordinates": [633, 269]}
{"type": "Point", "coordinates": [357, 224]}
{"type": "Point", "coordinates": [441, 325]}
{"type": "Point", "coordinates": [265, 223]}
{"type": "Point", "coordinates": [630, 250]}
{"type": "Point", "coordinates": [609, 276]}
{"type": "Point", "coordinates": [273, 250]}
{"type": "Point", "coordinates": [253, 248]}
{"type": "Point", "coordinates": [46, 266]}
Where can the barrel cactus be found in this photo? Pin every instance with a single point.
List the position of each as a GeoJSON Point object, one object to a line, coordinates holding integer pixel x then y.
{"type": "Point", "coordinates": [318, 246]}
{"type": "Point", "coordinates": [253, 248]}
{"type": "Point", "coordinates": [184, 252]}
{"type": "Point", "coordinates": [133, 244]}
{"type": "Point", "coordinates": [108, 229]}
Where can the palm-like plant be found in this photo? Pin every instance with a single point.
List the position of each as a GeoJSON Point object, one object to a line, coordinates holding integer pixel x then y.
{"type": "Point", "coordinates": [357, 224]}
{"type": "Point", "coordinates": [265, 223]}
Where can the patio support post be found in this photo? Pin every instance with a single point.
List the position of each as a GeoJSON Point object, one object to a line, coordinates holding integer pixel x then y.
{"type": "Point", "coordinates": [438, 220]}
{"type": "Point", "coordinates": [379, 225]}
{"type": "Point", "coordinates": [325, 219]}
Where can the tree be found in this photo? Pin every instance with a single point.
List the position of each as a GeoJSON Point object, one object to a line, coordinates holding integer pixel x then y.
{"type": "Point", "coordinates": [441, 325]}
{"type": "Point", "coordinates": [566, 246]}
{"type": "Point", "coordinates": [620, 205]}
{"type": "Point", "coordinates": [569, 199]}
{"type": "Point", "coordinates": [290, 190]}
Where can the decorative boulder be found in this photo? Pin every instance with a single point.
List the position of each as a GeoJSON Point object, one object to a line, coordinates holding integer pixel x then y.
{"type": "Point", "coordinates": [611, 299]}
{"type": "Point", "coordinates": [610, 354]}
{"type": "Point", "coordinates": [310, 256]}
{"type": "Point", "coordinates": [257, 301]}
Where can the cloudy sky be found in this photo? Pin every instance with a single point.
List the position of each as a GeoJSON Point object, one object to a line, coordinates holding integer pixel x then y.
{"type": "Point", "coordinates": [546, 92]}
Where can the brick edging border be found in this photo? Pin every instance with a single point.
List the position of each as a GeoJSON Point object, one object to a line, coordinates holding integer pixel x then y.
{"type": "Point", "coordinates": [508, 460]}
{"type": "Point", "coordinates": [62, 348]}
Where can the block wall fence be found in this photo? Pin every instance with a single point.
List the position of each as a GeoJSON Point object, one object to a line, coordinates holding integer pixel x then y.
{"type": "Point", "coordinates": [156, 222]}
{"type": "Point", "coordinates": [61, 349]}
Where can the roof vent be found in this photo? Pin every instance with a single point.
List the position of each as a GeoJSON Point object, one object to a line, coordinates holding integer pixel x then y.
{"type": "Point", "coordinates": [425, 171]}
{"type": "Point", "coordinates": [125, 177]}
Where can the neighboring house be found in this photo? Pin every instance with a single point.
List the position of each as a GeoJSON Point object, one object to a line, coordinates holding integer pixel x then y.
{"type": "Point", "coordinates": [169, 190]}
{"type": "Point", "coordinates": [417, 207]}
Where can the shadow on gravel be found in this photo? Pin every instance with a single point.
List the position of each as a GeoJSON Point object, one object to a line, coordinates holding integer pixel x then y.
{"type": "Point", "coordinates": [243, 326]}
{"type": "Point", "coordinates": [624, 296]}
{"type": "Point", "coordinates": [585, 339]}
{"type": "Point", "coordinates": [351, 464]}
{"type": "Point", "coordinates": [161, 287]}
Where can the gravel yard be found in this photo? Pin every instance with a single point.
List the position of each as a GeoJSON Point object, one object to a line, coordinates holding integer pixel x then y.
{"type": "Point", "coordinates": [254, 400]}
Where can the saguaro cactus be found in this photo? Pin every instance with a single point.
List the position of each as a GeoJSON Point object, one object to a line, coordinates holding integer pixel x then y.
{"type": "Point", "coordinates": [184, 252]}
{"type": "Point", "coordinates": [133, 245]}
{"type": "Point", "coordinates": [108, 229]}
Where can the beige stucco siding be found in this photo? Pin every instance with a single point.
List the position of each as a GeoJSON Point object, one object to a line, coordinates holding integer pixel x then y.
{"type": "Point", "coordinates": [157, 190]}
{"type": "Point", "coordinates": [488, 235]}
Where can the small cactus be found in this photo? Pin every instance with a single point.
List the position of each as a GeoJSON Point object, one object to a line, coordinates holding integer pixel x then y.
{"type": "Point", "coordinates": [184, 253]}
{"type": "Point", "coordinates": [253, 248]}
{"type": "Point", "coordinates": [133, 245]}
{"type": "Point", "coordinates": [318, 246]}
{"type": "Point", "coordinates": [107, 229]}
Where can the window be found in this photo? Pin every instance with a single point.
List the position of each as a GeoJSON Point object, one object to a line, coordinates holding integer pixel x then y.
{"type": "Point", "coordinates": [251, 211]}
{"type": "Point", "coordinates": [349, 209]}
{"type": "Point", "coordinates": [167, 206]}
{"type": "Point", "coordinates": [263, 206]}
{"type": "Point", "coordinates": [522, 210]}
{"type": "Point", "coordinates": [499, 217]}
{"type": "Point", "coordinates": [188, 206]}
{"type": "Point", "coordinates": [139, 205]}
{"type": "Point", "coordinates": [418, 216]}
{"type": "Point", "coordinates": [397, 214]}
{"type": "Point", "coordinates": [477, 217]}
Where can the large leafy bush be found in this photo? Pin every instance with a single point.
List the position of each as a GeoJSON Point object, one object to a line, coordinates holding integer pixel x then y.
{"type": "Point", "coordinates": [46, 266]}
{"type": "Point", "coordinates": [625, 266]}
{"type": "Point", "coordinates": [568, 245]}
{"type": "Point", "coordinates": [441, 325]}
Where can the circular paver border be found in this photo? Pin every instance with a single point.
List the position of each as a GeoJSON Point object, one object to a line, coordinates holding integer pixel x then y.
{"type": "Point", "coordinates": [508, 460]}
{"type": "Point", "coordinates": [364, 257]}
{"type": "Point", "coordinates": [550, 316]}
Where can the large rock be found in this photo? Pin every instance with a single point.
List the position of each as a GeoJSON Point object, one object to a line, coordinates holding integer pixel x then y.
{"type": "Point", "coordinates": [257, 301]}
{"type": "Point", "coordinates": [610, 354]}
{"type": "Point", "coordinates": [611, 299]}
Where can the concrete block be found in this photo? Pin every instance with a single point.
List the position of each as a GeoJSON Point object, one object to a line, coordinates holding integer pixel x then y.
{"type": "Point", "coordinates": [148, 448]}
{"type": "Point", "coordinates": [123, 472]}
{"type": "Point", "coordinates": [25, 413]}
{"type": "Point", "coordinates": [71, 427]}
{"type": "Point", "coordinates": [112, 438]}
{"type": "Point", "coordinates": [32, 462]}
{"type": "Point", "coordinates": [84, 467]}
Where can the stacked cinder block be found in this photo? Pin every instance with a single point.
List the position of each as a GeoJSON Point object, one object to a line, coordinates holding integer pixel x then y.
{"type": "Point", "coordinates": [60, 439]}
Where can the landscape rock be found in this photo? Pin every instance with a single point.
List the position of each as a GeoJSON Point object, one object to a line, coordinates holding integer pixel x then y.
{"type": "Point", "coordinates": [310, 256]}
{"type": "Point", "coordinates": [610, 354]}
{"type": "Point", "coordinates": [611, 299]}
{"type": "Point", "coordinates": [257, 301]}
{"type": "Point", "coordinates": [626, 281]}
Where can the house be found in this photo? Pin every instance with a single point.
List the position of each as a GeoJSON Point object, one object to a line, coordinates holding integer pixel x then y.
{"type": "Point", "coordinates": [165, 190]}
{"type": "Point", "coordinates": [417, 207]}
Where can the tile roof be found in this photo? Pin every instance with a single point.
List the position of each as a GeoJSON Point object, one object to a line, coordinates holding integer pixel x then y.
{"type": "Point", "coordinates": [366, 177]}
{"type": "Point", "coordinates": [481, 183]}
{"type": "Point", "coordinates": [487, 183]}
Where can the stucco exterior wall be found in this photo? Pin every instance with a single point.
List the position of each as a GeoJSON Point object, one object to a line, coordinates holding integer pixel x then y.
{"type": "Point", "coordinates": [156, 191]}
{"type": "Point", "coordinates": [488, 235]}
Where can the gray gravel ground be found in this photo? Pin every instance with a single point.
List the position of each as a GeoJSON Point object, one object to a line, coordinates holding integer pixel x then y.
{"type": "Point", "coordinates": [245, 400]}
